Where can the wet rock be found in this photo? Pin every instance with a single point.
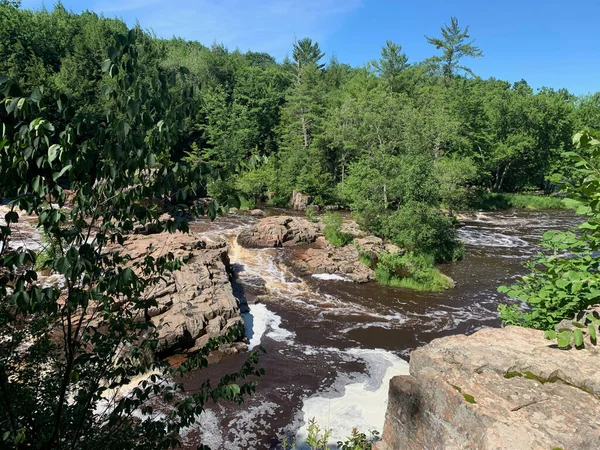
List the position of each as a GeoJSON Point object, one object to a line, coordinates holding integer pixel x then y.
{"type": "Point", "coordinates": [279, 231]}
{"type": "Point", "coordinates": [196, 302]}
{"type": "Point", "coordinates": [300, 201]}
{"type": "Point", "coordinates": [498, 389]}
{"type": "Point", "coordinates": [257, 212]}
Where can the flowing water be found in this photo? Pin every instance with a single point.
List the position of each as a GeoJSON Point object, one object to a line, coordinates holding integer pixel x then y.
{"type": "Point", "coordinates": [332, 345]}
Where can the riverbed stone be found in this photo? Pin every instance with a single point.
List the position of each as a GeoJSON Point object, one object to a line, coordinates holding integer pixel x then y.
{"type": "Point", "coordinates": [504, 388]}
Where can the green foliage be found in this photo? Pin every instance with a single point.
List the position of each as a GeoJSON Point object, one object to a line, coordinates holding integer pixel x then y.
{"type": "Point", "coordinates": [359, 441]}
{"type": "Point", "coordinates": [311, 214]}
{"type": "Point", "coordinates": [317, 438]}
{"type": "Point", "coordinates": [422, 229]}
{"type": "Point", "coordinates": [64, 351]}
{"type": "Point", "coordinates": [576, 336]}
{"type": "Point", "coordinates": [407, 271]}
{"type": "Point", "coordinates": [496, 201]}
{"type": "Point", "coordinates": [564, 278]}
{"type": "Point", "coordinates": [332, 230]}
{"type": "Point", "coordinates": [455, 46]}
{"type": "Point", "coordinates": [454, 176]}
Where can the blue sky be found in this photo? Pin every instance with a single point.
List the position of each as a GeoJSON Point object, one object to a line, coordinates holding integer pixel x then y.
{"type": "Point", "coordinates": [553, 43]}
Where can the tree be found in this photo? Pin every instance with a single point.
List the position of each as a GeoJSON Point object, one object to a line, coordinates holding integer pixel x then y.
{"type": "Point", "coordinates": [63, 351]}
{"type": "Point", "coordinates": [306, 52]}
{"type": "Point", "coordinates": [455, 46]}
{"type": "Point", "coordinates": [391, 65]}
{"type": "Point", "coordinates": [454, 174]}
{"type": "Point", "coordinates": [565, 278]}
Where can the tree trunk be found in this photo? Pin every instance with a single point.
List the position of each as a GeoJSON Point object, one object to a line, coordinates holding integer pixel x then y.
{"type": "Point", "coordinates": [304, 130]}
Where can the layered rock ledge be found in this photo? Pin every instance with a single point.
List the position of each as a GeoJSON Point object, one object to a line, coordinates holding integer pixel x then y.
{"type": "Point", "coordinates": [196, 302]}
{"type": "Point", "coordinates": [279, 231]}
{"type": "Point", "coordinates": [327, 259]}
{"type": "Point", "coordinates": [496, 389]}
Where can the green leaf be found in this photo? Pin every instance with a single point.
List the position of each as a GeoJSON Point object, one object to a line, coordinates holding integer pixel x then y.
{"type": "Point", "coordinates": [106, 65]}
{"type": "Point", "coordinates": [564, 339]}
{"type": "Point", "coordinates": [57, 175]}
{"type": "Point", "coordinates": [36, 95]}
{"type": "Point", "coordinates": [578, 337]}
{"type": "Point", "coordinates": [62, 265]}
{"type": "Point", "coordinates": [592, 331]}
{"type": "Point", "coordinates": [133, 108]}
{"type": "Point", "coordinates": [112, 53]}
{"type": "Point", "coordinates": [550, 334]}
{"type": "Point", "coordinates": [53, 152]}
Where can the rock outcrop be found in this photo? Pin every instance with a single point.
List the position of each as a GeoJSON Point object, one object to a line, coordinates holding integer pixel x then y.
{"type": "Point", "coordinates": [300, 201]}
{"type": "Point", "coordinates": [497, 389]}
{"type": "Point", "coordinates": [196, 302]}
{"type": "Point", "coordinates": [343, 261]}
{"type": "Point", "coordinates": [279, 231]}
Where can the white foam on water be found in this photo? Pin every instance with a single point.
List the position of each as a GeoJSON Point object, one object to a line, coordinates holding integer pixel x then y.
{"type": "Point", "coordinates": [259, 322]}
{"type": "Point", "coordinates": [361, 404]}
{"type": "Point", "coordinates": [330, 276]}
{"type": "Point", "coordinates": [490, 239]}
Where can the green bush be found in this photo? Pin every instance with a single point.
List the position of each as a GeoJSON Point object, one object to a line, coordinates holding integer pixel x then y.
{"type": "Point", "coordinates": [332, 231]}
{"type": "Point", "coordinates": [311, 214]}
{"type": "Point", "coordinates": [247, 203]}
{"type": "Point", "coordinates": [422, 229]}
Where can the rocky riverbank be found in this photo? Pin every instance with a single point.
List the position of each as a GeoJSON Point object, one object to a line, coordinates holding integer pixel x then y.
{"type": "Point", "coordinates": [504, 388]}
{"type": "Point", "coordinates": [196, 302]}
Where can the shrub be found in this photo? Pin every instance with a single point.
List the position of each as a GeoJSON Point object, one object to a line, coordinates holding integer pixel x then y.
{"type": "Point", "coordinates": [564, 279]}
{"type": "Point", "coordinates": [422, 229]}
{"type": "Point", "coordinates": [311, 214]}
{"type": "Point", "coordinates": [332, 231]}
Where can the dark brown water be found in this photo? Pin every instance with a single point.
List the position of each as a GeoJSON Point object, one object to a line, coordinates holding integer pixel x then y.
{"type": "Point", "coordinates": [332, 345]}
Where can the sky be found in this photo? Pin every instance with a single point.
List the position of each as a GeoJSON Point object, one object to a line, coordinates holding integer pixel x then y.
{"type": "Point", "coordinates": [553, 43]}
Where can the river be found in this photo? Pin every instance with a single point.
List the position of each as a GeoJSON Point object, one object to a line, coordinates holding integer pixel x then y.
{"type": "Point", "coordinates": [332, 345]}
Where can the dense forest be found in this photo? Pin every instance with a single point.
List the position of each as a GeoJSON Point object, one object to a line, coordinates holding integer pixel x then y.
{"type": "Point", "coordinates": [103, 129]}
{"type": "Point", "coordinates": [395, 140]}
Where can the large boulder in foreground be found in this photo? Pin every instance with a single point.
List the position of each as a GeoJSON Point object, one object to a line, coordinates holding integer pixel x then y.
{"type": "Point", "coordinates": [196, 302]}
{"type": "Point", "coordinates": [279, 231]}
{"type": "Point", "coordinates": [497, 389]}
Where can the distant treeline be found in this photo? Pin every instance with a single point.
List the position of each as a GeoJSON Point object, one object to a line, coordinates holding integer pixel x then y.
{"type": "Point", "coordinates": [394, 137]}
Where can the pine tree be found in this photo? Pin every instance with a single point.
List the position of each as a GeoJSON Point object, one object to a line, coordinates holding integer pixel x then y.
{"type": "Point", "coordinates": [455, 45]}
